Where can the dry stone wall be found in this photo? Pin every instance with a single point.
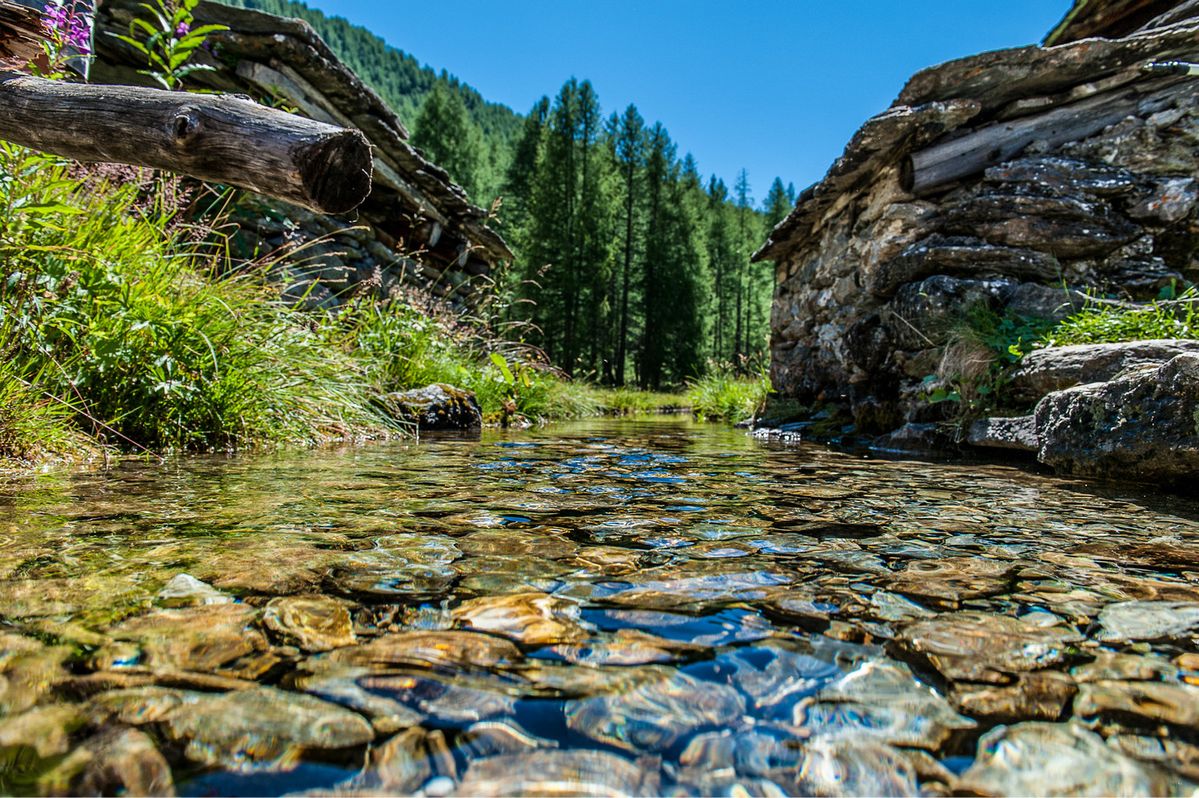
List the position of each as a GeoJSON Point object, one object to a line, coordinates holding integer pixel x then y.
{"type": "Point", "coordinates": [1073, 169]}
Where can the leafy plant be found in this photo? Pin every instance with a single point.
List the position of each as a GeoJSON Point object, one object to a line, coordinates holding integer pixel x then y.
{"type": "Point", "coordinates": [67, 37]}
{"type": "Point", "coordinates": [977, 359]}
{"type": "Point", "coordinates": [167, 38]}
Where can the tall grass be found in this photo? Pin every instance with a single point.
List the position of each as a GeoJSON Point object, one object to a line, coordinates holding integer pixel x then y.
{"type": "Point", "coordinates": [724, 395]}
{"type": "Point", "coordinates": [136, 329]}
{"type": "Point", "coordinates": [114, 321]}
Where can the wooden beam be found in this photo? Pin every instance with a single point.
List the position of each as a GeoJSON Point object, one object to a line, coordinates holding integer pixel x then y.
{"type": "Point", "coordinates": [220, 139]}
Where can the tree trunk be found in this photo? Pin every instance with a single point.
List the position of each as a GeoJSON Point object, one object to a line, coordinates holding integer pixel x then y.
{"type": "Point", "coordinates": [20, 34]}
{"type": "Point", "coordinates": [221, 139]}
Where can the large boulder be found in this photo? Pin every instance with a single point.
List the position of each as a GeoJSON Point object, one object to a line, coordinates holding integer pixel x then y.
{"type": "Point", "coordinates": [1143, 425]}
{"type": "Point", "coordinates": [437, 407]}
{"type": "Point", "coordinates": [1044, 371]}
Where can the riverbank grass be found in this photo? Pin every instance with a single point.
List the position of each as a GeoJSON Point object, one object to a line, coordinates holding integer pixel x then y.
{"type": "Point", "coordinates": [724, 395]}
{"type": "Point", "coordinates": [120, 325]}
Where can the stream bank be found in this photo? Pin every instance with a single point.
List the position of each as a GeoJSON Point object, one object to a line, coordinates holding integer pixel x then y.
{"type": "Point", "coordinates": [1003, 203]}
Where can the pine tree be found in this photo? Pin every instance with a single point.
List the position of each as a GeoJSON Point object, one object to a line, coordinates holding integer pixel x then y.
{"type": "Point", "coordinates": [742, 264]}
{"type": "Point", "coordinates": [628, 143]}
{"type": "Point", "coordinates": [447, 136]}
{"type": "Point", "coordinates": [722, 257]}
{"type": "Point", "coordinates": [777, 204]}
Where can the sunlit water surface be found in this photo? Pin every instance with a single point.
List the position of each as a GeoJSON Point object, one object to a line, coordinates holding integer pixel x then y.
{"type": "Point", "coordinates": [611, 607]}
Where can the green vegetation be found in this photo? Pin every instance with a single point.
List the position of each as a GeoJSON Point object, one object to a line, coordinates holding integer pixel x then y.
{"type": "Point", "coordinates": [633, 270]}
{"type": "Point", "coordinates": [724, 395]}
{"type": "Point", "coordinates": [631, 267]}
{"type": "Point", "coordinates": [631, 402]}
{"type": "Point", "coordinates": [114, 322]}
{"type": "Point", "coordinates": [166, 38]}
{"type": "Point", "coordinates": [984, 347]}
{"type": "Point", "coordinates": [976, 364]}
{"type": "Point", "coordinates": [1101, 322]}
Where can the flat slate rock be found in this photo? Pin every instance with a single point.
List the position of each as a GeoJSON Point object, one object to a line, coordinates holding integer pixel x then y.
{"type": "Point", "coordinates": [1151, 702]}
{"type": "Point", "coordinates": [982, 647]}
{"type": "Point", "coordinates": [1056, 759]}
{"type": "Point", "coordinates": [1149, 620]}
{"type": "Point", "coordinates": [557, 773]}
{"type": "Point", "coordinates": [263, 728]}
{"type": "Point", "coordinates": [1043, 371]}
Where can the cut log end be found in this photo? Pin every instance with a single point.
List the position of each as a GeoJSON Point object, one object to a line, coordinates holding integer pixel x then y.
{"type": "Point", "coordinates": [337, 171]}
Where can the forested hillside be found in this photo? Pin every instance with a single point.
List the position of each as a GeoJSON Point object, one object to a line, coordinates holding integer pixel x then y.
{"type": "Point", "coordinates": [631, 265]}
{"type": "Point", "coordinates": [405, 83]}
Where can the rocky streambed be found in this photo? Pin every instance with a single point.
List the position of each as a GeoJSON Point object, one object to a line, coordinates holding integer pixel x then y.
{"type": "Point", "coordinates": [604, 608]}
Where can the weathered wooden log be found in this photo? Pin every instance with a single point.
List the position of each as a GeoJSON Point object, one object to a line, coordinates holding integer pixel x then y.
{"type": "Point", "coordinates": [20, 34]}
{"type": "Point", "coordinates": [939, 166]}
{"type": "Point", "coordinates": [222, 139]}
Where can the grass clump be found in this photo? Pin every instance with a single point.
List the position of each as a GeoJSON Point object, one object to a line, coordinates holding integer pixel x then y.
{"type": "Point", "coordinates": [724, 395]}
{"type": "Point", "coordinates": [135, 330]}
{"type": "Point", "coordinates": [404, 348]}
{"type": "Point", "coordinates": [1106, 323]}
{"type": "Point", "coordinates": [634, 402]}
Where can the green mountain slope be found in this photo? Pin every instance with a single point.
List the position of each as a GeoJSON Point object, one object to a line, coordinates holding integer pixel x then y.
{"type": "Point", "coordinates": [404, 83]}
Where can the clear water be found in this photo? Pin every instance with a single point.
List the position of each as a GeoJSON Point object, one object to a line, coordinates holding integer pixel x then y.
{"type": "Point", "coordinates": [605, 607]}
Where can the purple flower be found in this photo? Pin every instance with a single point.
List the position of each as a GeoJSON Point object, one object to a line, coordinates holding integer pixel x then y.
{"type": "Point", "coordinates": [182, 30]}
{"type": "Point", "coordinates": [67, 27]}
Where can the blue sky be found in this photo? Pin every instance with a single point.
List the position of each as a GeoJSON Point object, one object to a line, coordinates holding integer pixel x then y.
{"type": "Point", "coordinates": [775, 87]}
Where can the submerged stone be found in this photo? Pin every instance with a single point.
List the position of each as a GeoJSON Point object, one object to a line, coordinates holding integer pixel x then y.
{"type": "Point", "coordinates": [1149, 702]}
{"type": "Point", "coordinates": [1056, 759]}
{"type": "Point", "coordinates": [951, 580]}
{"type": "Point", "coordinates": [982, 647]}
{"type": "Point", "coordinates": [1042, 695]}
{"type": "Point", "coordinates": [627, 647]}
{"type": "Point", "coordinates": [138, 706]}
{"type": "Point", "coordinates": [548, 773]}
{"type": "Point", "coordinates": [753, 752]}
{"type": "Point", "coordinates": [198, 638]}
{"type": "Point", "coordinates": [184, 590]}
{"type": "Point", "coordinates": [443, 702]}
{"type": "Point", "coordinates": [447, 650]}
{"type": "Point", "coordinates": [397, 766]}
{"type": "Point", "coordinates": [45, 731]}
{"type": "Point", "coordinates": [122, 762]}
{"type": "Point", "coordinates": [1149, 620]}
{"type": "Point", "coordinates": [1110, 665]}
{"type": "Point", "coordinates": [342, 686]}
{"type": "Point", "coordinates": [655, 715]}
{"type": "Point", "coordinates": [28, 670]}
{"type": "Point", "coordinates": [533, 619]}
{"type": "Point", "coordinates": [314, 623]}
{"type": "Point", "coordinates": [881, 700]}
{"type": "Point", "coordinates": [263, 728]}
{"type": "Point", "coordinates": [845, 767]}
{"type": "Point", "coordinates": [774, 678]}
{"type": "Point", "coordinates": [498, 737]}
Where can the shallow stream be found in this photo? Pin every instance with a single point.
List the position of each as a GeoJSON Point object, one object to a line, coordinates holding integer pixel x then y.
{"type": "Point", "coordinates": [610, 607]}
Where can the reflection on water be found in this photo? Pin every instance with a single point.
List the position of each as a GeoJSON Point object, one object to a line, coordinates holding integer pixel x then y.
{"type": "Point", "coordinates": [603, 608]}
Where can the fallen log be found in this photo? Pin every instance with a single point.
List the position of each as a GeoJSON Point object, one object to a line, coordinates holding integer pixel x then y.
{"type": "Point", "coordinates": [221, 139]}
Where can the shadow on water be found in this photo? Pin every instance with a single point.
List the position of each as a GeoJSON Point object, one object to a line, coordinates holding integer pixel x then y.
{"type": "Point", "coordinates": [605, 607]}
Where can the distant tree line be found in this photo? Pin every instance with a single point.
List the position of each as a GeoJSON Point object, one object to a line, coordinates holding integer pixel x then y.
{"type": "Point", "coordinates": [631, 267]}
